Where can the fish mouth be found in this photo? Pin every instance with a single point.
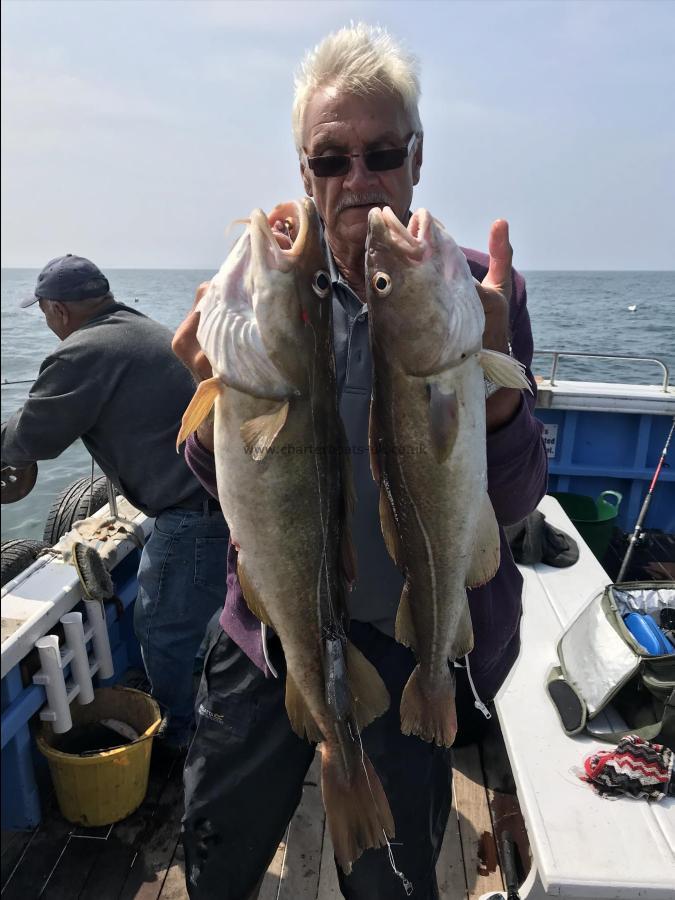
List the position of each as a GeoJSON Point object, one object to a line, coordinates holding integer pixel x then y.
{"type": "Point", "coordinates": [387, 233]}
{"type": "Point", "coordinates": [281, 247]}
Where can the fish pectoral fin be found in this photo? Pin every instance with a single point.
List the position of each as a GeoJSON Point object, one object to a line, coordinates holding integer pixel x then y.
{"type": "Point", "coordinates": [485, 556]}
{"type": "Point", "coordinates": [199, 407]}
{"type": "Point", "coordinates": [443, 420]}
{"type": "Point", "coordinates": [260, 433]}
{"type": "Point", "coordinates": [301, 719]}
{"type": "Point", "coordinates": [370, 697]}
{"type": "Point", "coordinates": [251, 597]}
{"type": "Point", "coordinates": [504, 370]}
{"type": "Point", "coordinates": [405, 625]}
{"type": "Point", "coordinates": [390, 533]}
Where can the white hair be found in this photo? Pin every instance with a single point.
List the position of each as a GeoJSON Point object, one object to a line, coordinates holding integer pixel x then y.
{"type": "Point", "coordinates": [361, 59]}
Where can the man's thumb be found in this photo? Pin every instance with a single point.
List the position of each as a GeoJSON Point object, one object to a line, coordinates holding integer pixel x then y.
{"type": "Point", "coordinates": [501, 254]}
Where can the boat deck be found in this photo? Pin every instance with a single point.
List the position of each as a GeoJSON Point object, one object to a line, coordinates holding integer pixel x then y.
{"type": "Point", "coordinates": [141, 857]}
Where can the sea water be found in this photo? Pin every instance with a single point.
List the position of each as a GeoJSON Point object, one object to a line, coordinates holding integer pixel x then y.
{"type": "Point", "coordinates": [572, 311]}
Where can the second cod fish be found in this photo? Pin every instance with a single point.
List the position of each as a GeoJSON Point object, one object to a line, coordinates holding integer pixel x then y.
{"type": "Point", "coordinates": [428, 452]}
{"type": "Point", "coordinates": [283, 483]}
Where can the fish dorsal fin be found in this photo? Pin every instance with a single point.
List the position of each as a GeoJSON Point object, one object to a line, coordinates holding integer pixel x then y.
{"type": "Point", "coordinates": [485, 558]}
{"type": "Point", "coordinates": [443, 420]}
{"type": "Point", "coordinates": [260, 433]}
{"type": "Point", "coordinates": [301, 719]}
{"type": "Point", "coordinates": [370, 697]}
{"type": "Point", "coordinates": [199, 407]}
{"type": "Point", "coordinates": [251, 597]}
{"type": "Point", "coordinates": [504, 370]}
{"type": "Point", "coordinates": [229, 333]}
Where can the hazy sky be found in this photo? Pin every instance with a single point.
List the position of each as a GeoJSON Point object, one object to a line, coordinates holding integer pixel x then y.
{"type": "Point", "coordinates": [134, 131]}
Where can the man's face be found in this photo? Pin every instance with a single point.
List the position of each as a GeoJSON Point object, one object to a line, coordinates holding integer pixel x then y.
{"type": "Point", "coordinates": [342, 123]}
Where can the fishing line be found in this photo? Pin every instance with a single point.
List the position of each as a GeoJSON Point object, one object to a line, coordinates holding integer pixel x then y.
{"type": "Point", "coordinates": [407, 885]}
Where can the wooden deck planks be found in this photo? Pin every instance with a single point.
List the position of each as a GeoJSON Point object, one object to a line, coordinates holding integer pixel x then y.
{"type": "Point", "coordinates": [40, 859]}
{"type": "Point", "coordinates": [149, 869]}
{"type": "Point", "coordinates": [479, 851]}
{"type": "Point", "coordinates": [300, 877]}
{"type": "Point", "coordinates": [450, 866]}
{"type": "Point", "coordinates": [329, 888]}
{"type": "Point", "coordinates": [142, 859]}
{"type": "Point", "coordinates": [14, 845]}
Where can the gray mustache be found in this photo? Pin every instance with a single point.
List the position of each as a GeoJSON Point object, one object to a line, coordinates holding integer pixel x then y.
{"type": "Point", "coordinates": [371, 197]}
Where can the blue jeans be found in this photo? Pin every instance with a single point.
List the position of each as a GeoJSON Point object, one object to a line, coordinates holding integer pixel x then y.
{"type": "Point", "coordinates": [181, 583]}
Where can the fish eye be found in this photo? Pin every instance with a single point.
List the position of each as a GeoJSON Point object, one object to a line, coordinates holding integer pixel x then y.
{"type": "Point", "coordinates": [321, 283]}
{"type": "Point", "coordinates": [382, 283]}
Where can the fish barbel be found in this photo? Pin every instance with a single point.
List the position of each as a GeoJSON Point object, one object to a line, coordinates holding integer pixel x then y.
{"type": "Point", "coordinates": [284, 487]}
{"type": "Point", "coordinates": [428, 451]}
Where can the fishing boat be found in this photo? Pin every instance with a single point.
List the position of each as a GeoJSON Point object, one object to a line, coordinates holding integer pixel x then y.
{"type": "Point", "coordinates": [604, 441]}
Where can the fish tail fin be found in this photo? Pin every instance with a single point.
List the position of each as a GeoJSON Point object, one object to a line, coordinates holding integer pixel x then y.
{"type": "Point", "coordinates": [504, 370]}
{"type": "Point", "coordinates": [433, 717]}
{"type": "Point", "coordinates": [370, 697]}
{"type": "Point", "coordinates": [199, 407]}
{"type": "Point", "coordinates": [357, 809]}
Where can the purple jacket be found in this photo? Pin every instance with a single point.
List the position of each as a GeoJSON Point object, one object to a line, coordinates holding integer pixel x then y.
{"type": "Point", "coordinates": [517, 475]}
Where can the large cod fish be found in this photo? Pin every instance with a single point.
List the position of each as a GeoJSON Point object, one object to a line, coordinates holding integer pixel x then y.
{"type": "Point", "coordinates": [428, 452]}
{"type": "Point", "coordinates": [284, 487]}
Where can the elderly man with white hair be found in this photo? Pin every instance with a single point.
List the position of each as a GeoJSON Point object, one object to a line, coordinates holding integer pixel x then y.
{"type": "Point", "coordinates": [359, 139]}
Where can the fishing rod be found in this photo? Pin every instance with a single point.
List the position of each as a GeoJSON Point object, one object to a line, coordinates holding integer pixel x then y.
{"type": "Point", "coordinates": [645, 506]}
{"type": "Point", "coordinates": [21, 381]}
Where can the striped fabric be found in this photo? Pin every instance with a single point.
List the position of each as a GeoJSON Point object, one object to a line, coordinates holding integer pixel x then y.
{"type": "Point", "coordinates": [635, 768]}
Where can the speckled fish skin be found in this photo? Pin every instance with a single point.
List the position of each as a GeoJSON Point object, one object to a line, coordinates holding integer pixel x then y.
{"type": "Point", "coordinates": [428, 450]}
{"type": "Point", "coordinates": [266, 328]}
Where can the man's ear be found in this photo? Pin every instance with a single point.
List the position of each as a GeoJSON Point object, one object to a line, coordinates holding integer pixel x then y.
{"type": "Point", "coordinates": [417, 159]}
{"type": "Point", "coordinates": [61, 310]}
{"type": "Point", "coordinates": [306, 179]}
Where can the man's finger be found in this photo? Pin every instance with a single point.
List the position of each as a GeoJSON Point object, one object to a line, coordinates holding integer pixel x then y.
{"type": "Point", "coordinates": [501, 255]}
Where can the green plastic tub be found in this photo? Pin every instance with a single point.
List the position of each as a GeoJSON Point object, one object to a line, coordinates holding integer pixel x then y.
{"type": "Point", "coordinates": [594, 519]}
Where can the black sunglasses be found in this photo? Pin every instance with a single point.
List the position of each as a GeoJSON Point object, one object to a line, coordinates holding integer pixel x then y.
{"type": "Point", "coordinates": [375, 160]}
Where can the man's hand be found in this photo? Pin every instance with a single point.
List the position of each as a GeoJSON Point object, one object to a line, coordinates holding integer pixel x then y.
{"type": "Point", "coordinates": [186, 347]}
{"type": "Point", "coordinates": [185, 344]}
{"type": "Point", "coordinates": [495, 289]}
{"type": "Point", "coordinates": [495, 294]}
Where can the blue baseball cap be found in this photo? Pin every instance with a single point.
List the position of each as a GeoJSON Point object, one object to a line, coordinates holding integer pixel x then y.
{"type": "Point", "coordinates": [68, 278]}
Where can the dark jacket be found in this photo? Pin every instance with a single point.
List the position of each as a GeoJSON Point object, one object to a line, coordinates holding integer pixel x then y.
{"type": "Point", "coordinates": [115, 383]}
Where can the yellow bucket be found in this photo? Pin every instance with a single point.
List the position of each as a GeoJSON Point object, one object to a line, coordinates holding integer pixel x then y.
{"type": "Point", "coordinates": [102, 788]}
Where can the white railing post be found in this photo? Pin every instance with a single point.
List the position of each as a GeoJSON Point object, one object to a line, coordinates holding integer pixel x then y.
{"type": "Point", "coordinates": [101, 641]}
{"type": "Point", "coordinates": [79, 666]}
{"type": "Point", "coordinates": [51, 677]}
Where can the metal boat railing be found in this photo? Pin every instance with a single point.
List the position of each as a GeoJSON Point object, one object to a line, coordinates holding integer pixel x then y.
{"type": "Point", "coordinates": [559, 354]}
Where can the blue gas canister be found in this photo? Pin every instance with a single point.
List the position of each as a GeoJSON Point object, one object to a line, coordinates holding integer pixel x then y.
{"type": "Point", "coordinates": [648, 634]}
